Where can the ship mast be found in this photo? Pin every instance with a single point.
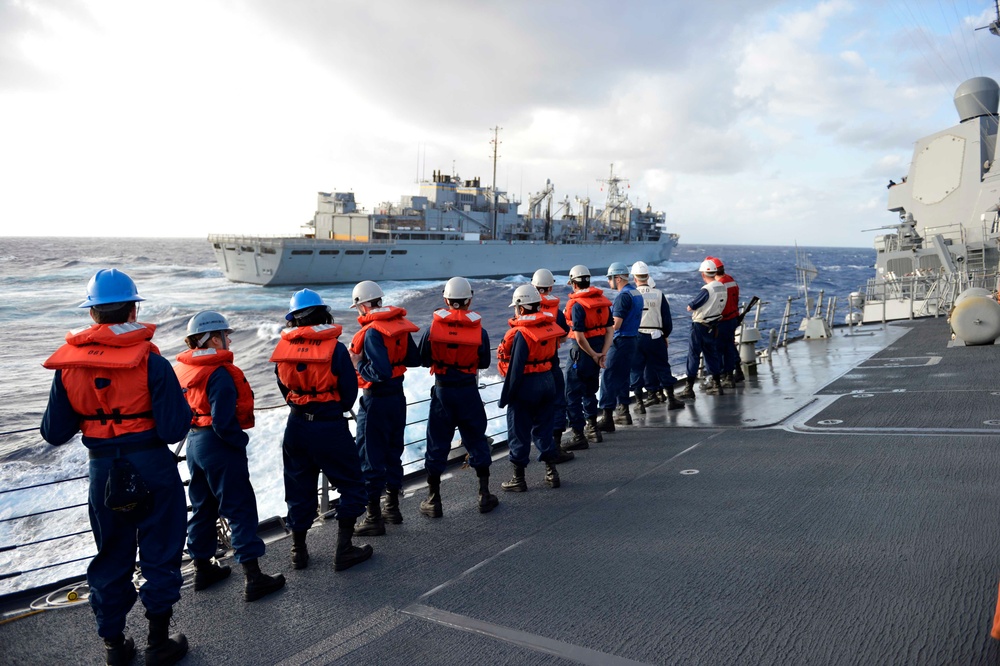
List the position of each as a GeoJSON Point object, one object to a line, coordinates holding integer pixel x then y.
{"type": "Point", "coordinates": [496, 144]}
{"type": "Point", "coordinates": [619, 203]}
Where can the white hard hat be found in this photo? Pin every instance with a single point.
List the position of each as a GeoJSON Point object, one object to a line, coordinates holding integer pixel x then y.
{"type": "Point", "coordinates": [458, 288]}
{"type": "Point", "coordinates": [578, 271]}
{"type": "Point", "coordinates": [365, 292]}
{"type": "Point", "coordinates": [207, 321]}
{"type": "Point", "coordinates": [543, 278]}
{"type": "Point", "coordinates": [525, 295]}
{"type": "Point", "coordinates": [640, 268]}
{"type": "Point", "coordinates": [708, 267]}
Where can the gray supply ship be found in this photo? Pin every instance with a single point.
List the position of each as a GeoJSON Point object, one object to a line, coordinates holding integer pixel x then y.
{"type": "Point", "coordinates": [946, 239]}
{"type": "Point", "coordinates": [453, 227]}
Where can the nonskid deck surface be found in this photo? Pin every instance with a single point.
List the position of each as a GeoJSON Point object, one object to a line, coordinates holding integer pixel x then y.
{"type": "Point", "coordinates": [664, 545]}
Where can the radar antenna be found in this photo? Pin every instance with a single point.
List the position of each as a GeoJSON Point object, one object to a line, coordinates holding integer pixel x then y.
{"type": "Point", "coordinates": [994, 26]}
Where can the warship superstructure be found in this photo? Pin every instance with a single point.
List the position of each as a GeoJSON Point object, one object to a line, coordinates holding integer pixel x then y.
{"type": "Point", "coordinates": [946, 238]}
{"type": "Point", "coordinates": [452, 227]}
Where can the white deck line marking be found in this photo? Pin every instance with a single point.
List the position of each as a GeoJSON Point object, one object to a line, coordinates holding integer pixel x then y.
{"type": "Point", "coordinates": [434, 590]}
{"type": "Point", "coordinates": [556, 648]}
{"type": "Point", "coordinates": [350, 638]}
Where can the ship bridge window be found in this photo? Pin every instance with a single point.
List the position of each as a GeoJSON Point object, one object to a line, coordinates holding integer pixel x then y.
{"type": "Point", "coordinates": [329, 251]}
{"type": "Point", "coordinates": [246, 248]}
{"type": "Point", "coordinates": [302, 251]}
{"type": "Point", "coordinates": [354, 252]}
{"type": "Point", "coordinates": [267, 250]}
{"type": "Point", "coordinates": [216, 246]}
{"type": "Point", "coordinates": [399, 252]}
{"type": "Point", "coordinates": [231, 248]}
{"type": "Point", "coordinates": [376, 251]}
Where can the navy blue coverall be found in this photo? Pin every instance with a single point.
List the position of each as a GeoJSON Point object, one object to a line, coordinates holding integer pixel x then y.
{"type": "Point", "coordinates": [559, 415]}
{"type": "Point", "coordinates": [651, 363]}
{"type": "Point", "coordinates": [704, 340]}
{"type": "Point", "coordinates": [325, 444]}
{"type": "Point", "coordinates": [220, 478]}
{"type": "Point", "coordinates": [381, 416]}
{"type": "Point", "coordinates": [583, 376]}
{"type": "Point", "coordinates": [158, 533]}
{"type": "Point", "coordinates": [455, 403]}
{"type": "Point", "coordinates": [618, 365]}
{"type": "Point", "coordinates": [529, 398]}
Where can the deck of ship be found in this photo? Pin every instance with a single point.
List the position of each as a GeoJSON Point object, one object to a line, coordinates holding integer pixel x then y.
{"type": "Point", "coordinates": [837, 510]}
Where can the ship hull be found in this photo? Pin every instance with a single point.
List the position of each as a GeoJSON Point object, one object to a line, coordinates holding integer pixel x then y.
{"type": "Point", "coordinates": [300, 261]}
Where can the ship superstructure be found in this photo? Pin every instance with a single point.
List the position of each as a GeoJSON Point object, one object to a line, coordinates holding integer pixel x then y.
{"type": "Point", "coordinates": [452, 227]}
{"type": "Point", "coordinates": [946, 238]}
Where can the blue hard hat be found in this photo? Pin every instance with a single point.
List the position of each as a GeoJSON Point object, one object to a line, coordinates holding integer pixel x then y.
{"type": "Point", "coordinates": [110, 285]}
{"type": "Point", "coordinates": [617, 268]}
{"type": "Point", "coordinates": [307, 298]}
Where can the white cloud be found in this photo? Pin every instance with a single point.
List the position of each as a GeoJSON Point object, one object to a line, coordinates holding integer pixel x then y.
{"type": "Point", "coordinates": [125, 118]}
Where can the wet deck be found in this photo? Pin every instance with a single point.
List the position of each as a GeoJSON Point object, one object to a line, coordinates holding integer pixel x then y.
{"type": "Point", "coordinates": [823, 531]}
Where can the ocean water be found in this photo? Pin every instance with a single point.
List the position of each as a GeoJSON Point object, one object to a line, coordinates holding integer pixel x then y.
{"type": "Point", "coordinates": [42, 280]}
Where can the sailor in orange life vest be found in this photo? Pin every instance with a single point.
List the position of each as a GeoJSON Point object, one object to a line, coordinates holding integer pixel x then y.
{"type": "Point", "coordinates": [317, 379]}
{"type": "Point", "coordinates": [588, 311]}
{"type": "Point", "coordinates": [222, 406]}
{"type": "Point", "coordinates": [112, 385]}
{"type": "Point", "coordinates": [381, 352]}
{"type": "Point", "coordinates": [455, 347]}
{"type": "Point", "coordinates": [543, 281]}
{"type": "Point", "coordinates": [524, 359]}
{"type": "Point", "coordinates": [732, 371]}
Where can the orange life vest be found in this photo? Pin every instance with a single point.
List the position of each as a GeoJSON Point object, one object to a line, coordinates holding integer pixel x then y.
{"type": "Point", "coordinates": [540, 332]}
{"type": "Point", "coordinates": [193, 369]}
{"type": "Point", "coordinates": [596, 306]}
{"type": "Point", "coordinates": [732, 309]}
{"type": "Point", "coordinates": [303, 356]}
{"type": "Point", "coordinates": [395, 328]}
{"type": "Point", "coordinates": [550, 304]}
{"type": "Point", "coordinates": [455, 337]}
{"type": "Point", "coordinates": [105, 373]}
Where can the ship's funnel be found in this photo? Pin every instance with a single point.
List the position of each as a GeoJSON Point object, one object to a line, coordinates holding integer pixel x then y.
{"type": "Point", "coordinates": [977, 97]}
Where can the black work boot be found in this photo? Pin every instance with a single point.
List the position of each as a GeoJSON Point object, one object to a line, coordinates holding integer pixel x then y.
{"type": "Point", "coordinates": [715, 386]}
{"type": "Point", "coordinates": [606, 421]}
{"type": "Point", "coordinates": [592, 432]}
{"type": "Point", "coordinates": [517, 484]}
{"type": "Point", "coordinates": [300, 554]}
{"type": "Point", "coordinates": [687, 393]}
{"type": "Point", "coordinates": [640, 406]}
{"type": "Point", "coordinates": [738, 375]}
{"type": "Point", "coordinates": [551, 475]}
{"type": "Point", "coordinates": [431, 507]}
{"type": "Point", "coordinates": [259, 584]}
{"type": "Point", "coordinates": [390, 512]}
{"type": "Point", "coordinates": [347, 553]}
{"type": "Point", "coordinates": [563, 454]}
{"type": "Point", "coordinates": [163, 649]}
{"type": "Point", "coordinates": [652, 398]}
{"type": "Point", "coordinates": [207, 573]}
{"type": "Point", "coordinates": [372, 525]}
{"type": "Point", "coordinates": [622, 415]}
{"type": "Point", "coordinates": [672, 401]}
{"type": "Point", "coordinates": [487, 500]}
{"type": "Point", "coordinates": [121, 650]}
{"type": "Point", "coordinates": [578, 442]}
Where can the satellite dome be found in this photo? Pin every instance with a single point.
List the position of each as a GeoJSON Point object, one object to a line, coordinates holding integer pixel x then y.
{"type": "Point", "coordinates": [977, 97]}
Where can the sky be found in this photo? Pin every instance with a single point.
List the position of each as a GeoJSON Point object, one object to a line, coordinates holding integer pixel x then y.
{"type": "Point", "coordinates": [760, 122]}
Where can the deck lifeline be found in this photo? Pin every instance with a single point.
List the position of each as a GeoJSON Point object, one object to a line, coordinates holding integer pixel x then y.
{"type": "Point", "coordinates": [796, 541]}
